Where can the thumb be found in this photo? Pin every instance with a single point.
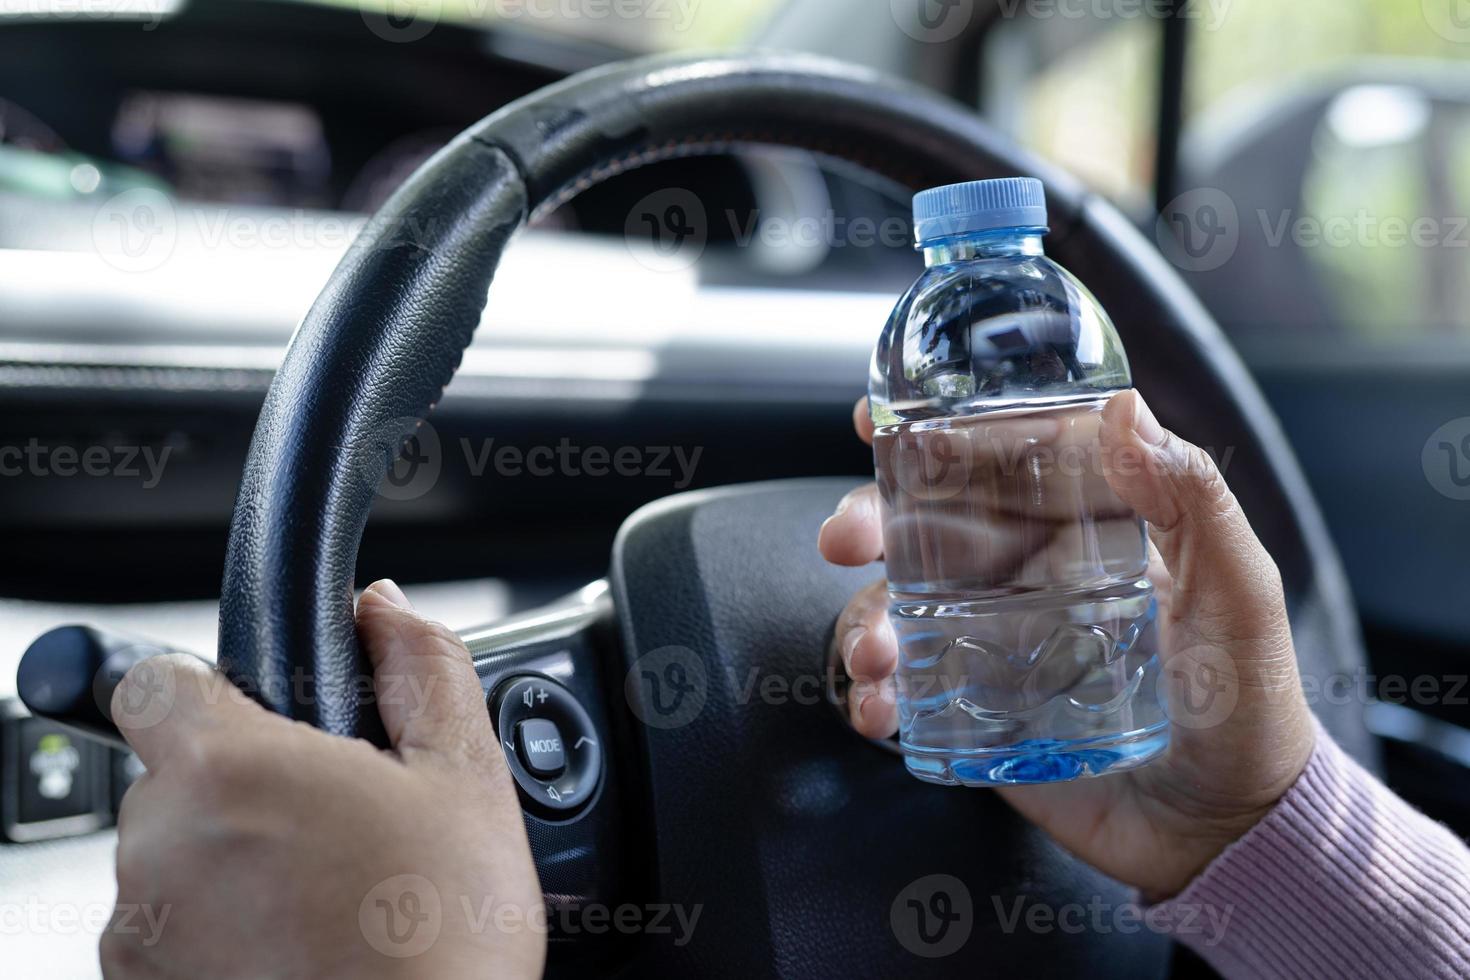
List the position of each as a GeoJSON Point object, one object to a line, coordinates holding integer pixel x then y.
{"type": "Point", "coordinates": [428, 695]}
{"type": "Point", "coordinates": [164, 704]}
{"type": "Point", "coordinates": [1226, 587]}
{"type": "Point", "coordinates": [1240, 722]}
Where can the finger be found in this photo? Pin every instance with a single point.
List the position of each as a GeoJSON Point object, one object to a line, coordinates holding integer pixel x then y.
{"type": "Point", "coordinates": [873, 708]}
{"type": "Point", "coordinates": [1107, 548]}
{"type": "Point", "coordinates": [1223, 578]}
{"type": "Point", "coordinates": [162, 704]}
{"type": "Point", "coordinates": [1226, 651]}
{"type": "Point", "coordinates": [869, 651]}
{"type": "Point", "coordinates": [853, 535]}
{"type": "Point", "coordinates": [1037, 467]}
{"type": "Point", "coordinates": [864, 636]}
{"type": "Point", "coordinates": [428, 694]}
{"type": "Point", "coordinates": [862, 420]}
{"type": "Point", "coordinates": [957, 543]}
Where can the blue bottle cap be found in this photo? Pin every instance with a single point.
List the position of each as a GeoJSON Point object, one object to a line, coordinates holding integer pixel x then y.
{"type": "Point", "coordinates": [979, 205]}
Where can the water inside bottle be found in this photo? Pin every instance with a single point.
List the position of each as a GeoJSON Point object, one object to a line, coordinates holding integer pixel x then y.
{"type": "Point", "coordinates": [1020, 598]}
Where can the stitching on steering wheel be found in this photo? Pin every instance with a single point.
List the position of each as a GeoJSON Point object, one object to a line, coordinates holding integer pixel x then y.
{"type": "Point", "coordinates": [708, 144]}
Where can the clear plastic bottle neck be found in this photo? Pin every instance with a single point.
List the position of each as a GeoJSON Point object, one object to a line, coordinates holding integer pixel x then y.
{"type": "Point", "coordinates": [994, 243]}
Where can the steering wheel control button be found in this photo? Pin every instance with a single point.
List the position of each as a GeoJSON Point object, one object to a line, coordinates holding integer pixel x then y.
{"type": "Point", "coordinates": [550, 745]}
{"type": "Point", "coordinates": [538, 741]}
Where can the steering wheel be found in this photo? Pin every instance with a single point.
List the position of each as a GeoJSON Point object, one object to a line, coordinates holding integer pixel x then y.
{"type": "Point", "coordinates": [804, 850]}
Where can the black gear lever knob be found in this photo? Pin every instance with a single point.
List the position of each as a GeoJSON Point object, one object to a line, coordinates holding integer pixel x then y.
{"type": "Point", "coordinates": [69, 675]}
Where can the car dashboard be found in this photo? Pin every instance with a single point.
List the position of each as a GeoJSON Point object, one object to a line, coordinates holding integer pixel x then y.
{"type": "Point", "coordinates": [174, 194]}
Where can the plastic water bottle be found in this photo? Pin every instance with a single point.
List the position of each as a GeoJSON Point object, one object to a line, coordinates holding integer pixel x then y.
{"type": "Point", "coordinates": [1017, 579]}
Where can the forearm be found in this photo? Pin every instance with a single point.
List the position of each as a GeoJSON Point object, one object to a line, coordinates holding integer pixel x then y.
{"type": "Point", "coordinates": [1342, 879]}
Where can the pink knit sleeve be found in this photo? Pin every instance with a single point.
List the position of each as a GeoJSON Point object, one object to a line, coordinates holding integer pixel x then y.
{"type": "Point", "coordinates": [1342, 879]}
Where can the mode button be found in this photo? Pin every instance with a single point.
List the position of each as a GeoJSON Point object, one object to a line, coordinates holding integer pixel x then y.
{"type": "Point", "coordinates": [538, 741]}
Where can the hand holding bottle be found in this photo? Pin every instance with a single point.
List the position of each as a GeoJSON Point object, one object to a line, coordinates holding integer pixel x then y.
{"type": "Point", "coordinates": [1240, 728]}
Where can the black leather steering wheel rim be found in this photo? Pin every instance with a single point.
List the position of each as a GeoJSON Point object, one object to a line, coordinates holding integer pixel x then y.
{"type": "Point", "coordinates": [381, 342]}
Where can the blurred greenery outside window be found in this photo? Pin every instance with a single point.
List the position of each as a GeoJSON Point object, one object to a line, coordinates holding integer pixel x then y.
{"type": "Point", "coordinates": [1383, 155]}
{"type": "Point", "coordinates": [1386, 156]}
{"type": "Point", "coordinates": [1080, 93]}
{"type": "Point", "coordinates": [637, 25]}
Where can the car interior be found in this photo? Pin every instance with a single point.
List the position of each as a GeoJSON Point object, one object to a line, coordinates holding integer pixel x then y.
{"type": "Point", "coordinates": [597, 286]}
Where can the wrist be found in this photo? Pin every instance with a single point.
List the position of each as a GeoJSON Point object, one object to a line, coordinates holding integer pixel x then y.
{"type": "Point", "coordinates": [1208, 811]}
{"type": "Point", "coordinates": [1341, 878]}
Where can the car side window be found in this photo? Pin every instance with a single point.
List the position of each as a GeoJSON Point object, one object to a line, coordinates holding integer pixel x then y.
{"type": "Point", "coordinates": [1078, 90]}
{"type": "Point", "coordinates": [1339, 133]}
